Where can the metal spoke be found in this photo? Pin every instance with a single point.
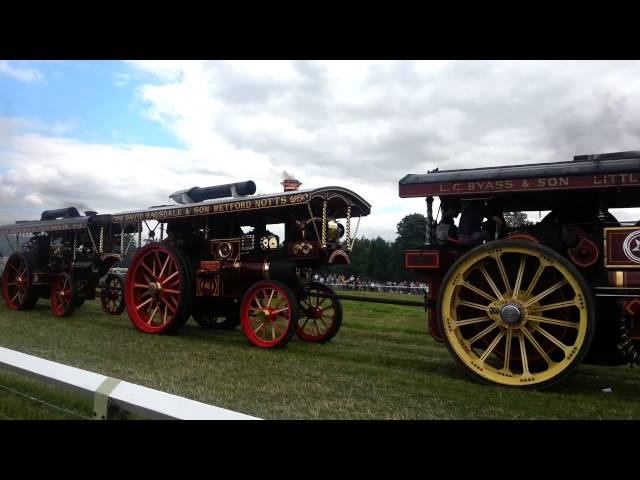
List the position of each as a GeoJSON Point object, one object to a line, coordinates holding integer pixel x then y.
{"type": "Point", "coordinates": [516, 288]}
{"type": "Point", "coordinates": [305, 323]}
{"type": "Point", "coordinates": [471, 321]}
{"type": "Point", "coordinates": [537, 346]}
{"type": "Point", "coordinates": [553, 306]}
{"type": "Point", "coordinates": [164, 321]}
{"type": "Point", "coordinates": [166, 262]}
{"type": "Point", "coordinates": [490, 282]}
{"type": "Point", "coordinates": [277, 326]}
{"type": "Point", "coordinates": [273, 332]}
{"type": "Point", "coordinates": [523, 355]}
{"type": "Point", "coordinates": [175, 292]}
{"type": "Point", "coordinates": [171, 276]}
{"type": "Point", "coordinates": [464, 303]}
{"type": "Point", "coordinates": [140, 285]}
{"type": "Point", "coordinates": [490, 348]}
{"type": "Point", "coordinates": [273, 291]}
{"type": "Point", "coordinates": [167, 305]}
{"type": "Point", "coordinates": [260, 326]}
{"type": "Point", "coordinates": [478, 291]}
{"type": "Point", "coordinates": [152, 273]}
{"type": "Point", "coordinates": [548, 291]}
{"type": "Point", "coordinates": [484, 332]}
{"type": "Point", "coordinates": [144, 303]}
{"type": "Point", "coordinates": [174, 301]}
{"type": "Point", "coordinates": [325, 325]}
{"type": "Point", "coordinates": [503, 273]}
{"type": "Point", "coordinates": [534, 280]}
{"type": "Point", "coordinates": [549, 337]}
{"type": "Point", "coordinates": [507, 350]}
{"type": "Point", "coordinates": [156, 262]}
{"type": "Point", "coordinates": [553, 321]}
{"type": "Point", "coordinates": [155, 310]}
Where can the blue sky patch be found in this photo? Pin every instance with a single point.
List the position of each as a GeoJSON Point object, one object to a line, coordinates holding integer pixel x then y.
{"type": "Point", "coordinates": [92, 101]}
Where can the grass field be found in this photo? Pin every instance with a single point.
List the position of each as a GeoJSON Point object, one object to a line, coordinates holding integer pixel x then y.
{"type": "Point", "coordinates": [381, 365]}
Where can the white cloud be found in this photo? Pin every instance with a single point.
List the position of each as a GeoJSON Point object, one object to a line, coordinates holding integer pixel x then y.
{"type": "Point", "coordinates": [19, 73]}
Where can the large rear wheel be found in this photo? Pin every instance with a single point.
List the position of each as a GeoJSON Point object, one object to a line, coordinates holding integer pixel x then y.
{"type": "Point", "coordinates": [516, 314]}
{"type": "Point", "coordinates": [17, 286]}
{"type": "Point", "coordinates": [158, 289]}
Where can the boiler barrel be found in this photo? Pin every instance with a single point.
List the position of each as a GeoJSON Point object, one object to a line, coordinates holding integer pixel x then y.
{"type": "Point", "coordinates": [198, 194]}
{"type": "Point", "coordinates": [70, 212]}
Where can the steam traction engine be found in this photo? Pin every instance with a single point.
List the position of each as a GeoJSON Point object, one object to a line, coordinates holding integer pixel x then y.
{"type": "Point", "coordinates": [63, 260]}
{"type": "Point", "coordinates": [524, 308]}
{"type": "Point", "coordinates": [226, 257]}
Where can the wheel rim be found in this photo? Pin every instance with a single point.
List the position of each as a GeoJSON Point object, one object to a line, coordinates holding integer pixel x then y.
{"type": "Point", "coordinates": [318, 315]}
{"type": "Point", "coordinates": [61, 294]}
{"type": "Point", "coordinates": [16, 282]}
{"type": "Point", "coordinates": [515, 316]}
{"type": "Point", "coordinates": [112, 296]}
{"type": "Point", "coordinates": [154, 289]}
{"type": "Point", "coordinates": [266, 315]}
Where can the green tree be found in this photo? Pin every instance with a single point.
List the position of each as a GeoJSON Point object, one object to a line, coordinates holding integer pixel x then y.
{"type": "Point", "coordinates": [411, 231]}
{"type": "Point", "coordinates": [516, 219]}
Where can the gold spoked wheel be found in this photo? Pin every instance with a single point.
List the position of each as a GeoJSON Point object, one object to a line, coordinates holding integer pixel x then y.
{"type": "Point", "coordinates": [516, 314]}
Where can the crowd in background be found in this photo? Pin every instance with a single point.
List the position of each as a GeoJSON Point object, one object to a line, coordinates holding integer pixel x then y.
{"type": "Point", "coordinates": [344, 282]}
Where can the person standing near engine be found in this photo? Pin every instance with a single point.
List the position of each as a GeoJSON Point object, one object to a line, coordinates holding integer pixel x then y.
{"type": "Point", "coordinates": [470, 228]}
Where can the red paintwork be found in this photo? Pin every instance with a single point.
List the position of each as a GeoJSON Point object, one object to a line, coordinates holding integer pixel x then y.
{"type": "Point", "coordinates": [257, 293]}
{"type": "Point", "coordinates": [430, 259]}
{"type": "Point", "coordinates": [151, 256]}
{"type": "Point", "coordinates": [615, 252]}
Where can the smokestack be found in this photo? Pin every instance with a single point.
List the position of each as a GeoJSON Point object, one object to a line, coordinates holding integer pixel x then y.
{"type": "Point", "coordinates": [290, 184]}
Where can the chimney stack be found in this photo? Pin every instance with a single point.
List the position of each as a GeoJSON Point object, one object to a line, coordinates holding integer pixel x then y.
{"type": "Point", "coordinates": [291, 184]}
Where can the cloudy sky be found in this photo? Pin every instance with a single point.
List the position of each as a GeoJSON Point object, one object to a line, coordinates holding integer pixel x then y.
{"type": "Point", "coordinates": [112, 136]}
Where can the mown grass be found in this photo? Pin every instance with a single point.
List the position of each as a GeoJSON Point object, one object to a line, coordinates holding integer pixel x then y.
{"type": "Point", "coordinates": [381, 365]}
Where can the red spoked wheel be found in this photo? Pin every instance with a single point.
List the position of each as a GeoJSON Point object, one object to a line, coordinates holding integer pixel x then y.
{"type": "Point", "coordinates": [17, 288]}
{"type": "Point", "coordinates": [320, 314]}
{"type": "Point", "coordinates": [269, 314]}
{"type": "Point", "coordinates": [63, 295]}
{"type": "Point", "coordinates": [158, 289]}
{"type": "Point", "coordinates": [112, 297]}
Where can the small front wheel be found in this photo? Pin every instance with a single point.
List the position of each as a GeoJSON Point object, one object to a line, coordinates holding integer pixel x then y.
{"type": "Point", "coordinates": [269, 314]}
{"type": "Point", "coordinates": [63, 295]}
{"type": "Point", "coordinates": [112, 298]}
{"type": "Point", "coordinates": [320, 314]}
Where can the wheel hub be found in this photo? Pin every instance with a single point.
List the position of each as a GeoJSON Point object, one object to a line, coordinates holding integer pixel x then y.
{"type": "Point", "coordinates": [511, 314]}
{"type": "Point", "coordinates": [266, 314]}
{"type": "Point", "coordinates": [155, 288]}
